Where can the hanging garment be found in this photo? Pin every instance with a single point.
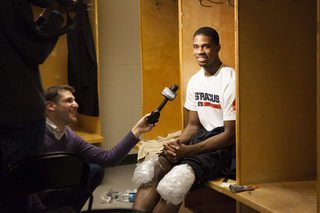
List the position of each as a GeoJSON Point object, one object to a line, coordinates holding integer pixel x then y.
{"type": "Point", "coordinates": [82, 63]}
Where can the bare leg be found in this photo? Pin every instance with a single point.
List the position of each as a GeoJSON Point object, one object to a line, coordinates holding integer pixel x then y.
{"type": "Point", "coordinates": [164, 206]}
{"type": "Point", "coordinates": [147, 196]}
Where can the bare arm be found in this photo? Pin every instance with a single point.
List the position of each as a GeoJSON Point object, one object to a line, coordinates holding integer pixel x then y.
{"type": "Point", "coordinates": [220, 141]}
{"type": "Point", "coordinates": [192, 127]}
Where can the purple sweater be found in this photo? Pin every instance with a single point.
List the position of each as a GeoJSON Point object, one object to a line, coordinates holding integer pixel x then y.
{"type": "Point", "coordinates": [71, 142]}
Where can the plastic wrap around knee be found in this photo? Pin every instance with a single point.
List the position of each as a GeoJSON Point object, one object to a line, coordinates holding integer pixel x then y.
{"type": "Point", "coordinates": [175, 185]}
{"type": "Point", "coordinates": [144, 172]}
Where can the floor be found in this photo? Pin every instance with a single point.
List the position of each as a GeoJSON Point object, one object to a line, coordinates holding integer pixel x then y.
{"type": "Point", "coordinates": [119, 179]}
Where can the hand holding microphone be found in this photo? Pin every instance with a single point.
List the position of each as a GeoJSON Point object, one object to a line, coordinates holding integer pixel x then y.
{"type": "Point", "coordinates": [169, 94]}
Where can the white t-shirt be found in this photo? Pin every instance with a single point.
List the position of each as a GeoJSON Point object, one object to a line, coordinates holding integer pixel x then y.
{"type": "Point", "coordinates": [212, 97]}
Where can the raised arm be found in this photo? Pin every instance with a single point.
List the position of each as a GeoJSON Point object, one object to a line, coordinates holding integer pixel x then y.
{"type": "Point", "coordinates": [142, 126]}
{"type": "Point", "coordinates": [20, 29]}
{"type": "Point", "coordinates": [111, 157]}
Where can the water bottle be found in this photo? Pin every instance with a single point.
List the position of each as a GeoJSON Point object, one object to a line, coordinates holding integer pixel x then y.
{"type": "Point", "coordinates": [125, 197]}
{"type": "Point", "coordinates": [122, 197]}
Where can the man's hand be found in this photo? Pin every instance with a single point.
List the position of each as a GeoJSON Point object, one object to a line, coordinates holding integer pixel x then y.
{"type": "Point", "coordinates": [142, 126]}
{"type": "Point", "coordinates": [176, 151]}
{"type": "Point", "coordinates": [56, 6]}
{"type": "Point", "coordinates": [169, 150]}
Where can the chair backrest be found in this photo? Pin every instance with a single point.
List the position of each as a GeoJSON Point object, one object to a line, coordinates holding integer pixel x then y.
{"type": "Point", "coordinates": [46, 172]}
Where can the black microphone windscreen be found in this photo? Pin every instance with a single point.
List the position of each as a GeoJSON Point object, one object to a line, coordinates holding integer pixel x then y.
{"type": "Point", "coordinates": [174, 88]}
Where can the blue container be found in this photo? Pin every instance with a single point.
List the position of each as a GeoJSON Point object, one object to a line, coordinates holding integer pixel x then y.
{"type": "Point", "coordinates": [132, 196]}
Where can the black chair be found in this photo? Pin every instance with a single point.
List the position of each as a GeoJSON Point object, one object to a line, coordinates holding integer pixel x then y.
{"type": "Point", "coordinates": [115, 211]}
{"type": "Point", "coordinates": [47, 172]}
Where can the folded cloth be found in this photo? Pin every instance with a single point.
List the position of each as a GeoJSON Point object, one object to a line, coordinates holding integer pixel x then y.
{"type": "Point", "coordinates": [150, 148]}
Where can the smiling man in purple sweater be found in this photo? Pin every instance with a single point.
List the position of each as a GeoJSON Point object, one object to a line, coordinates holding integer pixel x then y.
{"type": "Point", "coordinates": [61, 110]}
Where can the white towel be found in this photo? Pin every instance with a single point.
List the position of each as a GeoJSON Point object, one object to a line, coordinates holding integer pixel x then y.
{"type": "Point", "coordinates": [150, 148]}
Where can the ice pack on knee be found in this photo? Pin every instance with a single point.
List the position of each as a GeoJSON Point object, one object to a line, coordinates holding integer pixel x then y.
{"type": "Point", "coordinates": [144, 172]}
{"type": "Point", "coordinates": [175, 185]}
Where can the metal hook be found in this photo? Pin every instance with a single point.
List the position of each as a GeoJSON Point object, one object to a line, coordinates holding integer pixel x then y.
{"type": "Point", "coordinates": [200, 2]}
{"type": "Point", "coordinates": [229, 3]}
{"type": "Point", "coordinates": [215, 2]}
{"type": "Point", "coordinates": [88, 7]}
{"type": "Point", "coordinates": [157, 3]}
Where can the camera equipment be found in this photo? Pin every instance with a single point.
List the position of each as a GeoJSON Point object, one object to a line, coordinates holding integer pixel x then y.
{"type": "Point", "coordinates": [41, 3]}
{"type": "Point", "coordinates": [67, 4]}
{"type": "Point", "coordinates": [48, 3]}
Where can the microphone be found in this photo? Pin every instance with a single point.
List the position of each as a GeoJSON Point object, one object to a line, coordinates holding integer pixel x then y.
{"type": "Point", "coordinates": [169, 94]}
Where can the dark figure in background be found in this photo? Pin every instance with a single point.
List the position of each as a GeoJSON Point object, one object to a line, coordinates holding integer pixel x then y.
{"type": "Point", "coordinates": [206, 148]}
{"type": "Point", "coordinates": [61, 110]}
{"type": "Point", "coordinates": [24, 44]}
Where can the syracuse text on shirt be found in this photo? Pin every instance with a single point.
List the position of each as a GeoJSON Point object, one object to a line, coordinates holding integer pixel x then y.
{"type": "Point", "coordinates": [207, 100]}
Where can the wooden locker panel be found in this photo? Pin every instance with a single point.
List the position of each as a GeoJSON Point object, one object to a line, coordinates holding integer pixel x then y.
{"type": "Point", "coordinates": [276, 126]}
{"type": "Point", "coordinates": [209, 200]}
{"type": "Point", "coordinates": [159, 33]}
{"type": "Point", "coordinates": [318, 108]}
{"type": "Point", "coordinates": [54, 72]}
{"type": "Point", "coordinates": [220, 16]}
{"type": "Point", "coordinates": [54, 69]}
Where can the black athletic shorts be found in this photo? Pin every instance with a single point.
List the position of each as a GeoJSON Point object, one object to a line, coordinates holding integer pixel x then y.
{"type": "Point", "coordinates": [210, 165]}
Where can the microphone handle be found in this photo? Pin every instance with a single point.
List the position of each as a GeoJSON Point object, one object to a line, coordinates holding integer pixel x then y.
{"type": "Point", "coordinates": [154, 117]}
{"type": "Point", "coordinates": [162, 104]}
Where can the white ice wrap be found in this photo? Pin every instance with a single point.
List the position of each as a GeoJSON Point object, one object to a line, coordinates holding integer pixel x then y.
{"type": "Point", "coordinates": [144, 172]}
{"type": "Point", "coordinates": [175, 185]}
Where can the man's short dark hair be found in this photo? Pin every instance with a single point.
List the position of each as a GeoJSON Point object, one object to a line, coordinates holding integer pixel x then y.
{"type": "Point", "coordinates": [52, 93]}
{"type": "Point", "coordinates": [210, 32]}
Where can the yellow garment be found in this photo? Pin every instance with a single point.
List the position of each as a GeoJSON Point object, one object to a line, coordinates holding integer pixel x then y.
{"type": "Point", "coordinates": [150, 148]}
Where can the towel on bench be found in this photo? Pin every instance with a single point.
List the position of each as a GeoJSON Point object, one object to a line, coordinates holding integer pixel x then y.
{"type": "Point", "coordinates": [150, 148]}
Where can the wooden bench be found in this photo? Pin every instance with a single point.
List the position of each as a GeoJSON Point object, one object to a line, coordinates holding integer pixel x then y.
{"type": "Point", "coordinates": [296, 196]}
{"type": "Point", "coordinates": [87, 135]}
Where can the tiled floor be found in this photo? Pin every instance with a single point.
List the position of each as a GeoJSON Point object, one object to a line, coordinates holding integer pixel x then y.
{"type": "Point", "coordinates": [118, 178]}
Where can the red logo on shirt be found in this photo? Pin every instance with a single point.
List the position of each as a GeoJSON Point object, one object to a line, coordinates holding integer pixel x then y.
{"type": "Point", "coordinates": [209, 104]}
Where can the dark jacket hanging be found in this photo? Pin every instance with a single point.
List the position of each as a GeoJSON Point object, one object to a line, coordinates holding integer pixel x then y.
{"type": "Point", "coordinates": [82, 63]}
